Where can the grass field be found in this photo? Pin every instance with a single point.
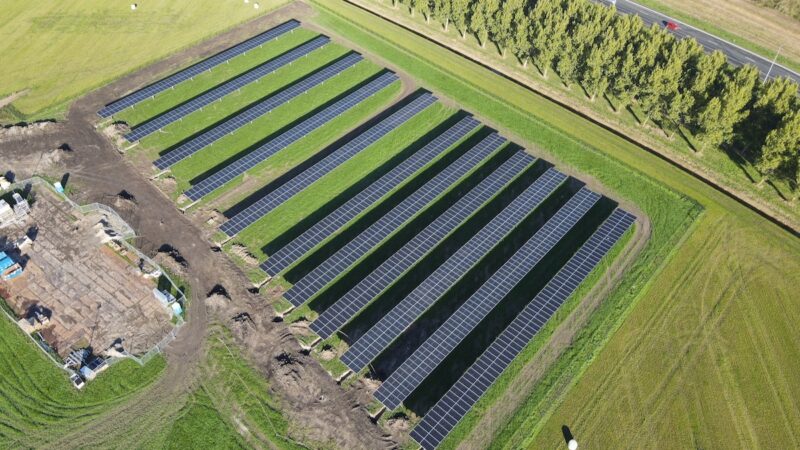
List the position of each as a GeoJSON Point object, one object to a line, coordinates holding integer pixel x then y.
{"type": "Point", "coordinates": [38, 399]}
{"type": "Point", "coordinates": [60, 50]}
{"type": "Point", "coordinates": [611, 160]}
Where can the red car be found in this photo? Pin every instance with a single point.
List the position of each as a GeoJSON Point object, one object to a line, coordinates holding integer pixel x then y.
{"type": "Point", "coordinates": [671, 26]}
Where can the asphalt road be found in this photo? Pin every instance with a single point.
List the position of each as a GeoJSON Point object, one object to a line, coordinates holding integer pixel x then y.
{"type": "Point", "coordinates": [736, 55]}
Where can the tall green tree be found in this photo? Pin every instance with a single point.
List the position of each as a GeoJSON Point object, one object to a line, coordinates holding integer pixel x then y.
{"type": "Point", "coordinates": [549, 26]}
{"type": "Point", "coordinates": [622, 84]}
{"type": "Point", "coordinates": [505, 28]}
{"type": "Point", "coordinates": [774, 100]}
{"type": "Point", "coordinates": [601, 60]}
{"type": "Point", "coordinates": [482, 18]}
{"type": "Point", "coordinates": [674, 99]}
{"type": "Point", "coordinates": [460, 16]}
{"type": "Point", "coordinates": [423, 6]}
{"type": "Point", "coordinates": [442, 10]}
{"type": "Point", "coordinates": [521, 45]}
{"type": "Point", "coordinates": [781, 150]}
{"type": "Point", "coordinates": [716, 124]}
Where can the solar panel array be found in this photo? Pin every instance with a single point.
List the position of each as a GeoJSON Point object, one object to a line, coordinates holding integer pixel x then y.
{"type": "Point", "coordinates": [327, 226]}
{"type": "Point", "coordinates": [452, 407]}
{"type": "Point", "coordinates": [202, 66]}
{"type": "Point", "coordinates": [359, 246]}
{"type": "Point", "coordinates": [287, 190]}
{"type": "Point", "coordinates": [391, 325]}
{"type": "Point", "coordinates": [444, 340]}
{"type": "Point", "coordinates": [252, 113]}
{"type": "Point", "coordinates": [221, 90]}
{"type": "Point", "coordinates": [264, 151]}
{"type": "Point", "coordinates": [409, 254]}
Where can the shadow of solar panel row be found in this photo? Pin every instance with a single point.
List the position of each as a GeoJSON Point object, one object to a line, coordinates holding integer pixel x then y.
{"type": "Point", "coordinates": [252, 113]}
{"type": "Point", "coordinates": [448, 335]}
{"type": "Point", "coordinates": [327, 226]}
{"type": "Point", "coordinates": [393, 220]}
{"type": "Point", "coordinates": [391, 325]}
{"type": "Point", "coordinates": [264, 151]}
{"type": "Point", "coordinates": [196, 69]}
{"type": "Point", "coordinates": [451, 408]}
{"type": "Point", "coordinates": [333, 160]}
{"type": "Point", "coordinates": [415, 249]}
{"type": "Point", "coordinates": [221, 90]}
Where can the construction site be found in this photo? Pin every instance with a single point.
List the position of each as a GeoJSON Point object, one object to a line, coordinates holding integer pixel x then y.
{"type": "Point", "coordinates": [75, 285]}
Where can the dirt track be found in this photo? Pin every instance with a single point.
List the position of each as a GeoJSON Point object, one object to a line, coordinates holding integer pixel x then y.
{"type": "Point", "coordinates": [97, 173]}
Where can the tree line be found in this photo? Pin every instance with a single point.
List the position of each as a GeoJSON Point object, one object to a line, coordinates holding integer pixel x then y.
{"type": "Point", "coordinates": [671, 82]}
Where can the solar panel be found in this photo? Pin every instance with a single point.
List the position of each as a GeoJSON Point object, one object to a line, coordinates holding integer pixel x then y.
{"type": "Point", "coordinates": [415, 249]}
{"type": "Point", "coordinates": [444, 340]}
{"type": "Point", "coordinates": [391, 325]}
{"type": "Point", "coordinates": [453, 406]}
{"type": "Point", "coordinates": [196, 69]}
{"type": "Point", "coordinates": [252, 113]}
{"type": "Point", "coordinates": [221, 90]}
{"type": "Point", "coordinates": [327, 226]}
{"type": "Point", "coordinates": [285, 139]}
{"type": "Point", "coordinates": [393, 220]}
{"type": "Point", "coordinates": [287, 190]}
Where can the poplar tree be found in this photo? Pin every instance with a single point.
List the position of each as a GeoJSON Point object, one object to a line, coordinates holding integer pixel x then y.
{"type": "Point", "coordinates": [781, 150]}
{"type": "Point", "coordinates": [550, 27]}
{"type": "Point", "coordinates": [442, 10]}
{"type": "Point", "coordinates": [775, 99]}
{"type": "Point", "coordinates": [645, 70]}
{"type": "Point", "coordinates": [717, 123]}
{"type": "Point", "coordinates": [629, 28]}
{"type": "Point", "coordinates": [521, 46]}
{"type": "Point", "coordinates": [482, 18]}
{"type": "Point", "coordinates": [674, 97]}
{"type": "Point", "coordinates": [506, 28]}
{"type": "Point", "coordinates": [424, 7]}
{"type": "Point", "coordinates": [602, 59]}
{"type": "Point", "coordinates": [460, 16]}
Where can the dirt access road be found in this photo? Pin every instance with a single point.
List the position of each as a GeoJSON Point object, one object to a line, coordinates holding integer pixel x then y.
{"type": "Point", "coordinates": [98, 173]}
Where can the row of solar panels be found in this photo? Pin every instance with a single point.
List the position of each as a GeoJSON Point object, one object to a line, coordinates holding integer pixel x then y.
{"type": "Point", "coordinates": [435, 349]}
{"type": "Point", "coordinates": [196, 69]}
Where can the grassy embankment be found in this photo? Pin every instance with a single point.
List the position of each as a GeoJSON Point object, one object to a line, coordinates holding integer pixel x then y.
{"type": "Point", "coordinates": [691, 276]}
{"type": "Point", "coordinates": [61, 50]}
